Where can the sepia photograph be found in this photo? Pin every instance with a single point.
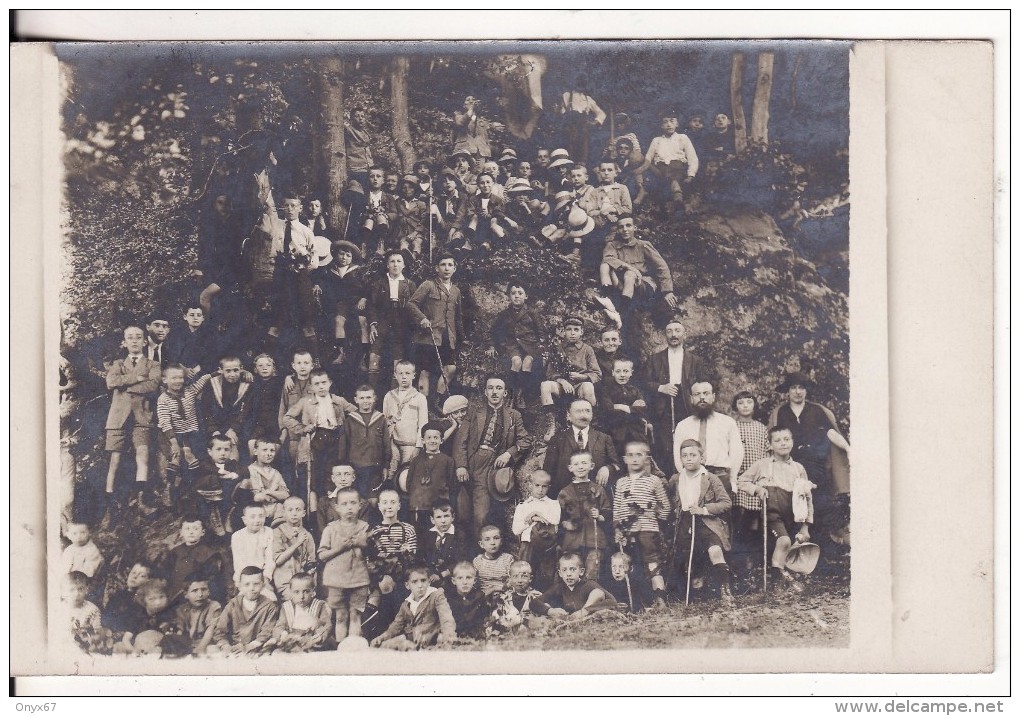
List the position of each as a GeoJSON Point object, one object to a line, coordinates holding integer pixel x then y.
{"type": "Point", "coordinates": [438, 347]}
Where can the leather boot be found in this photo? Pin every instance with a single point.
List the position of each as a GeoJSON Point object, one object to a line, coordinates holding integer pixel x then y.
{"type": "Point", "coordinates": [721, 573]}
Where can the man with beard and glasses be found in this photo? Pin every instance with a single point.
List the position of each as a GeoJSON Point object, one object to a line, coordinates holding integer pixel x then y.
{"type": "Point", "coordinates": [716, 432]}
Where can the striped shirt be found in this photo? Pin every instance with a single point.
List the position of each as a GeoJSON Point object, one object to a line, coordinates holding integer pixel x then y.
{"type": "Point", "coordinates": [177, 414]}
{"type": "Point", "coordinates": [493, 574]}
{"type": "Point", "coordinates": [639, 503]}
{"type": "Point", "coordinates": [390, 541]}
{"type": "Point", "coordinates": [755, 437]}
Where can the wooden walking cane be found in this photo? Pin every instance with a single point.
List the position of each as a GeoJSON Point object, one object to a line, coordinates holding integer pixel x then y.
{"type": "Point", "coordinates": [439, 358]}
{"type": "Point", "coordinates": [626, 579]}
{"type": "Point", "coordinates": [430, 224]}
{"type": "Point", "coordinates": [312, 502]}
{"type": "Point", "coordinates": [690, 561]}
{"type": "Point", "coordinates": [595, 524]}
{"type": "Point", "coordinates": [347, 224]}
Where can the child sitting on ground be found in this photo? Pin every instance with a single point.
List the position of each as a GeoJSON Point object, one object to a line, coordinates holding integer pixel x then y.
{"type": "Point", "coordinates": [535, 522]}
{"type": "Point", "coordinates": [253, 547]}
{"type": "Point", "coordinates": [305, 621]}
{"type": "Point", "coordinates": [197, 616]}
{"type": "Point", "coordinates": [247, 621]}
{"type": "Point", "coordinates": [121, 603]}
{"type": "Point", "coordinates": [152, 611]}
{"type": "Point", "coordinates": [572, 596]}
{"type": "Point", "coordinates": [784, 485]}
{"type": "Point", "coordinates": [444, 547]}
{"type": "Point", "coordinates": [493, 564]}
{"type": "Point", "coordinates": [424, 617]}
{"type": "Point", "coordinates": [586, 510]}
{"type": "Point", "coordinates": [699, 495]}
{"type": "Point", "coordinates": [84, 618]}
{"type": "Point", "coordinates": [630, 592]}
{"type": "Point", "coordinates": [513, 606]}
{"type": "Point", "coordinates": [344, 574]}
{"type": "Point", "coordinates": [468, 603]}
{"type": "Point", "coordinates": [293, 546]}
{"type": "Point", "coordinates": [639, 504]}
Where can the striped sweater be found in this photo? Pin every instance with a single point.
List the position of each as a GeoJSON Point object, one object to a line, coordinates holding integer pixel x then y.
{"type": "Point", "coordinates": [176, 414]}
{"type": "Point", "coordinates": [639, 503]}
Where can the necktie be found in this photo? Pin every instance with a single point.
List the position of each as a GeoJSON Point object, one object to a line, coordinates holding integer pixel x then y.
{"type": "Point", "coordinates": [134, 361]}
{"type": "Point", "coordinates": [286, 238]}
{"type": "Point", "coordinates": [490, 431]}
{"type": "Point", "coordinates": [703, 436]}
{"type": "Point", "coordinates": [155, 354]}
{"type": "Point", "coordinates": [580, 440]}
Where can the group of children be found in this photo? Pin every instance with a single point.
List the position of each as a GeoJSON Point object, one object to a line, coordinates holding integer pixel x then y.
{"type": "Point", "coordinates": [372, 574]}
{"type": "Point", "coordinates": [335, 487]}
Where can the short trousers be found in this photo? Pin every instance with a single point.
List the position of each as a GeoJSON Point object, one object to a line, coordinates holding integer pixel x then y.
{"type": "Point", "coordinates": [779, 512]}
{"type": "Point", "coordinates": [425, 358]}
{"type": "Point", "coordinates": [355, 598]}
{"type": "Point", "coordinates": [650, 544]}
{"type": "Point", "coordinates": [115, 438]}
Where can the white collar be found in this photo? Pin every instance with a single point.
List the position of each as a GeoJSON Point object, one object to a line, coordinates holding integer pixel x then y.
{"type": "Point", "coordinates": [452, 530]}
{"type": "Point", "coordinates": [411, 600]}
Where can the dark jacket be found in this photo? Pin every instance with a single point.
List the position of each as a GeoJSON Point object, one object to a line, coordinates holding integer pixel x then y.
{"type": "Point", "coordinates": [564, 444]}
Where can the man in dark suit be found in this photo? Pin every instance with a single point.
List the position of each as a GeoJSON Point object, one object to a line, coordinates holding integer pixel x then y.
{"type": "Point", "coordinates": [667, 379]}
{"type": "Point", "coordinates": [491, 437]}
{"type": "Point", "coordinates": [579, 435]}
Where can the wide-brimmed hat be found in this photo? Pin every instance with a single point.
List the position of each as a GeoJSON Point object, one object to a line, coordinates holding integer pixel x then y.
{"type": "Point", "coordinates": [409, 179]}
{"type": "Point", "coordinates": [454, 403]}
{"type": "Point", "coordinates": [353, 249]}
{"type": "Point", "coordinates": [803, 557]}
{"type": "Point", "coordinates": [561, 162]}
{"type": "Point", "coordinates": [579, 223]}
{"type": "Point", "coordinates": [508, 155]}
{"type": "Point", "coordinates": [501, 484]}
{"type": "Point", "coordinates": [792, 379]}
{"type": "Point", "coordinates": [559, 154]}
{"type": "Point", "coordinates": [402, 479]}
{"type": "Point", "coordinates": [519, 186]}
{"type": "Point", "coordinates": [561, 199]}
{"type": "Point", "coordinates": [321, 247]}
{"type": "Point", "coordinates": [354, 193]}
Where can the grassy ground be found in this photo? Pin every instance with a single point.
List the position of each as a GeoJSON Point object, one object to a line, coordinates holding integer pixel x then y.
{"type": "Point", "coordinates": [820, 617]}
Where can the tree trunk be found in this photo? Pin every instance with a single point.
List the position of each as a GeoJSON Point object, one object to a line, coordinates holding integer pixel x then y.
{"type": "Point", "coordinates": [762, 94]}
{"type": "Point", "coordinates": [329, 150]}
{"type": "Point", "coordinates": [737, 101]}
{"type": "Point", "coordinates": [401, 122]}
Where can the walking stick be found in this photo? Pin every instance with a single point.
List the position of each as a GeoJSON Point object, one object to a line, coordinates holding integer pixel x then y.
{"type": "Point", "coordinates": [347, 224]}
{"type": "Point", "coordinates": [690, 561]}
{"type": "Point", "coordinates": [430, 225]}
{"type": "Point", "coordinates": [626, 579]}
{"type": "Point", "coordinates": [439, 358]}
{"type": "Point", "coordinates": [672, 414]}
{"type": "Point", "coordinates": [764, 547]}
{"type": "Point", "coordinates": [312, 503]}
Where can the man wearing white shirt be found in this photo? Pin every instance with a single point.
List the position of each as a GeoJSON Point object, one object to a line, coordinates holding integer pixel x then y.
{"type": "Point", "coordinates": [717, 433]}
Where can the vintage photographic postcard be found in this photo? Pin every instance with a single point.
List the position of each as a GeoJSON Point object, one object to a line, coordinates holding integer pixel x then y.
{"type": "Point", "coordinates": [614, 311]}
